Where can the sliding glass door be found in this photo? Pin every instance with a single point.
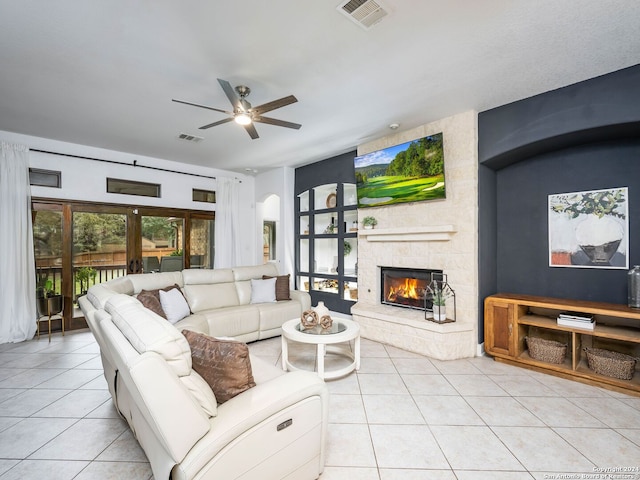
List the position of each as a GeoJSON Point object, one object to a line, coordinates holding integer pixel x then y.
{"type": "Point", "coordinates": [79, 244]}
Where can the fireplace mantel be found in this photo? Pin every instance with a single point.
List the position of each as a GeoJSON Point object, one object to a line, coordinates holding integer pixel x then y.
{"type": "Point", "coordinates": [433, 233]}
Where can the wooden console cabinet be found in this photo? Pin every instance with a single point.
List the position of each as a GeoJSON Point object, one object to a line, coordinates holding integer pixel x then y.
{"type": "Point", "coordinates": [509, 318]}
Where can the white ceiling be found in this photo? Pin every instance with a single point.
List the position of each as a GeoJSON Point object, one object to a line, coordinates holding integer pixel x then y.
{"type": "Point", "coordinates": [103, 72]}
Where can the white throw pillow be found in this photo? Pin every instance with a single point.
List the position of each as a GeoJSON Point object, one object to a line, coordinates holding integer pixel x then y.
{"type": "Point", "coordinates": [174, 305]}
{"type": "Point", "coordinates": [263, 291]}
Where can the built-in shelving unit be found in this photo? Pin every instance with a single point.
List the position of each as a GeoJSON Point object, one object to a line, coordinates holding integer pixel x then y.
{"type": "Point", "coordinates": [510, 318]}
{"type": "Point", "coordinates": [327, 249]}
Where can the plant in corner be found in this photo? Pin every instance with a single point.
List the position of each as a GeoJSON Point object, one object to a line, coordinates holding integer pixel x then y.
{"type": "Point", "coordinates": [369, 222]}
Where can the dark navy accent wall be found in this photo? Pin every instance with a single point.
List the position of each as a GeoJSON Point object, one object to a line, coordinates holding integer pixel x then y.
{"type": "Point", "coordinates": [331, 170]}
{"type": "Point", "coordinates": [599, 109]}
{"type": "Point", "coordinates": [581, 137]}
{"type": "Point", "coordinates": [522, 256]}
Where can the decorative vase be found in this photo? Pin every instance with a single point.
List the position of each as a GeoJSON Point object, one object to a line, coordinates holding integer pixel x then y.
{"type": "Point", "coordinates": [49, 306]}
{"type": "Point", "coordinates": [368, 227]}
{"type": "Point", "coordinates": [439, 313]}
{"type": "Point", "coordinates": [599, 238]}
{"type": "Point", "coordinates": [321, 310]}
{"type": "Point", "coordinates": [634, 286]}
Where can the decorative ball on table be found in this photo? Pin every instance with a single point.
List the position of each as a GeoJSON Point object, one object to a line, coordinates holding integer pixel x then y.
{"type": "Point", "coordinates": [326, 321]}
{"type": "Point", "coordinates": [309, 319]}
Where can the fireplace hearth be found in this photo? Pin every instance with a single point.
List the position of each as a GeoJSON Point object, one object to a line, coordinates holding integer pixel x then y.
{"type": "Point", "coordinates": [405, 287]}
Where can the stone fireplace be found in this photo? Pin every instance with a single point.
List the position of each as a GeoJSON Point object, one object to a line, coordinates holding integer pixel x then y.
{"type": "Point", "coordinates": [439, 235]}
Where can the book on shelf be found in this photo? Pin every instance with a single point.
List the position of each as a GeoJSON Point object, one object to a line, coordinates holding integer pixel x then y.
{"type": "Point", "coordinates": [574, 323]}
{"type": "Point", "coordinates": [579, 316]}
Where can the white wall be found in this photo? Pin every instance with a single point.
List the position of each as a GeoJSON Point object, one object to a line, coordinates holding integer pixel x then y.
{"type": "Point", "coordinates": [85, 180]}
{"type": "Point", "coordinates": [280, 182]}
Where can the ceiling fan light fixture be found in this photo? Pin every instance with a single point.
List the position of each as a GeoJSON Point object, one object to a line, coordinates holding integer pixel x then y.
{"type": "Point", "coordinates": [242, 119]}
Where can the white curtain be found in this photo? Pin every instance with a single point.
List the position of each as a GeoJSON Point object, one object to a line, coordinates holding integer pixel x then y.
{"type": "Point", "coordinates": [227, 223]}
{"type": "Point", "coordinates": [17, 264]}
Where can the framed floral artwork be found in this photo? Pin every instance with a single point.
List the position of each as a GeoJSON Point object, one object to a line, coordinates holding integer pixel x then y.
{"type": "Point", "coordinates": [589, 229]}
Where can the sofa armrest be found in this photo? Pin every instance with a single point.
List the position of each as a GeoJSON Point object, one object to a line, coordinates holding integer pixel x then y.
{"type": "Point", "coordinates": [243, 412]}
{"type": "Point", "coordinates": [303, 297]}
{"type": "Point", "coordinates": [166, 404]}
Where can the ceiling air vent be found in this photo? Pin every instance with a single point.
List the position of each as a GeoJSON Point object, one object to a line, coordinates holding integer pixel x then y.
{"type": "Point", "coordinates": [190, 138]}
{"type": "Point", "coordinates": [365, 13]}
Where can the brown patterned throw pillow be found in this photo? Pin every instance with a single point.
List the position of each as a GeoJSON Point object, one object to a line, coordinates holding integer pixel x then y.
{"type": "Point", "coordinates": [282, 287]}
{"type": "Point", "coordinates": [151, 299]}
{"type": "Point", "coordinates": [224, 364]}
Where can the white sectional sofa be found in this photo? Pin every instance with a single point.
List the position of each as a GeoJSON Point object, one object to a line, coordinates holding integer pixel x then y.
{"type": "Point", "coordinates": [274, 430]}
{"type": "Point", "coordinates": [219, 300]}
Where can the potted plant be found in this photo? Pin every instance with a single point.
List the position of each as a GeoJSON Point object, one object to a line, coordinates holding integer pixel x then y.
{"type": "Point", "coordinates": [347, 248]}
{"type": "Point", "coordinates": [439, 306]}
{"type": "Point", "coordinates": [369, 222]}
{"type": "Point", "coordinates": [85, 276]}
{"type": "Point", "coordinates": [51, 302]}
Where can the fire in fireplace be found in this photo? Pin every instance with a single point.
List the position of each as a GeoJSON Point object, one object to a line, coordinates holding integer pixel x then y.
{"type": "Point", "coordinates": [405, 287]}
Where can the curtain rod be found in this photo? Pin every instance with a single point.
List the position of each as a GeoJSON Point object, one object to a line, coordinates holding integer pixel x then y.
{"type": "Point", "coordinates": [134, 164]}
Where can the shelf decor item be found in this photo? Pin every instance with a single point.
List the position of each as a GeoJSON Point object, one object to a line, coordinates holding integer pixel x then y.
{"type": "Point", "coordinates": [369, 222]}
{"type": "Point", "coordinates": [633, 278]}
{"type": "Point", "coordinates": [548, 351]}
{"type": "Point", "coordinates": [331, 200]}
{"type": "Point", "coordinates": [439, 300]}
{"type": "Point", "coordinates": [611, 364]}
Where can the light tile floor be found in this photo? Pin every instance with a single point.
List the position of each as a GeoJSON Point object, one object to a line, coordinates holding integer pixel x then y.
{"type": "Point", "coordinates": [402, 416]}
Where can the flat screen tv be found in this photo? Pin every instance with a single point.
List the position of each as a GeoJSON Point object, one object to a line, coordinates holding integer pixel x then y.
{"type": "Point", "coordinates": [410, 172]}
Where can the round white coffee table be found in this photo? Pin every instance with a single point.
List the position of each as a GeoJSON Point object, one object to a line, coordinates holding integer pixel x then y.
{"type": "Point", "coordinates": [342, 331]}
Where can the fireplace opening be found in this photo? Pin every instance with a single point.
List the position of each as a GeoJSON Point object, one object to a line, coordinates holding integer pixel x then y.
{"type": "Point", "coordinates": [405, 287]}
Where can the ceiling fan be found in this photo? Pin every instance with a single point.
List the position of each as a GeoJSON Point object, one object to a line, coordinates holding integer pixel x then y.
{"type": "Point", "coordinates": [243, 113]}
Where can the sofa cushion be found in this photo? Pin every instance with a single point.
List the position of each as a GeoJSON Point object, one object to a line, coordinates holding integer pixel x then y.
{"type": "Point", "coordinates": [211, 296]}
{"type": "Point", "coordinates": [151, 299]}
{"type": "Point", "coordinates": [263, 291]}
{"type": "Point", "coordinates": [100, 293]}
{"type": "Point", "coordinates": [202, 392]}
{"type": "Point", "coordinates": [240, 322]}
{"type": "Point", "coordinates": [147, 332]}
{"type": "Point", "coordinates": [223, 363]}
{"type": "Point", "coordinates": [153, 281]}
{"type": "Point", "coordinates": [248, 272]}
{"type": "Point", "coordinates": [282, 287]}
{"type": "Point", "coordinates": [174, 305]}
{"type": "Point", "coordinates": [206, 276]}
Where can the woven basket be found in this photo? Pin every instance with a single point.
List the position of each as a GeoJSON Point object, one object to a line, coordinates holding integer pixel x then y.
{"type": "Point", "coordinates": [548, 351]}
{"type": "Point", "coordinates": [611, 364]}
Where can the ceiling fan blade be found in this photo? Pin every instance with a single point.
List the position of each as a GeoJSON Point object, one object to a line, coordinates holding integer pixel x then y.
{"type": "Point", "coordinates": [202, 106]}
{"type": "Point", "coordinates": [231, 95]}
{"type": "Point", "coordinates": [282, 102]}
{"type": "Point", "coordinates": [214, 124]}
{"type": "Point", "coordinates": [251, 130]}
{"type": "Point", "coordinates": [278, 123]}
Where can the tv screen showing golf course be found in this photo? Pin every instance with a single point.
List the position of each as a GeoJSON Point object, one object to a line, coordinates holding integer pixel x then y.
{"type": "Point", "coordinates": [410, 172]}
